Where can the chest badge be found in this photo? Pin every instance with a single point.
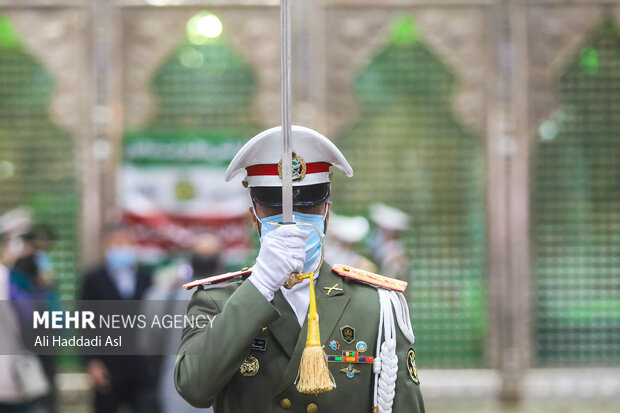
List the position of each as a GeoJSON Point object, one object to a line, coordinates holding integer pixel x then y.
{"type": "Point", "coordinates": [348, 334]}
{"type": "Point", "coordinates": [411, 367]}
{"type": "Point", "coordinates": [361, 346]}
{"type": "Point", "coordinates": [350, 371]}
{"type": "Point", "coordinates": [249, 367]}
{"type": "Point", "coordinates": [259, 344]}
{"type": "Point", "coordinates": [334, 345]}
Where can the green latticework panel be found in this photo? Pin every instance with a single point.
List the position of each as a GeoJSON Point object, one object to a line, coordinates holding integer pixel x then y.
{"type": "Point", "coordinates": [205, 86]}
{"type": "Point", "coordinates": [409, 150]}
{"type": "Point", "coordinates": [576, 210]}
{"type": "Point", "coordinates": [37, 165]}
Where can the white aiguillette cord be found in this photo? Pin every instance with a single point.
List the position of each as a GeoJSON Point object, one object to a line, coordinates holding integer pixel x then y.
{"type": "Point", "coordinates": [386, 361]}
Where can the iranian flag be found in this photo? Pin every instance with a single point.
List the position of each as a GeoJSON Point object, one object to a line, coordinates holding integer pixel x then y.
{"type": "Point", "coordinates": [172, 188]}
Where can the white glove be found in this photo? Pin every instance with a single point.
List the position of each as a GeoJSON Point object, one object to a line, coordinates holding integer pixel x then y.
{"type": "Point", "coordinates": [282, 252]}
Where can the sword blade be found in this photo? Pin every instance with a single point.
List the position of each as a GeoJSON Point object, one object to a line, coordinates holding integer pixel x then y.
{"type": "Point", "coordinates": [285, 67]}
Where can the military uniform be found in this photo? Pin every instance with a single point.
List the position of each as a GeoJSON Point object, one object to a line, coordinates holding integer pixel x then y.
{"type": "Point", "coordinates": [209, 360]}
{"type": "Point", "coordinates": [249, 358]}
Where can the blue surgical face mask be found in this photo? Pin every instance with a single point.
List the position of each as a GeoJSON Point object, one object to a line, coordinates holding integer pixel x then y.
{"type": "Point", "coordinates": [313, 243]}
{"type": "Point", "coordinates": [44, 262]}
{"type": "Point", "coordinates": [119, 258]}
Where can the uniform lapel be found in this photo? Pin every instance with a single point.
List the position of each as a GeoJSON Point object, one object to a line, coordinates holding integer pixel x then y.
{"type": "Point", "coordinates": [286, 328]}
{"type": "Point", "coordinates": [330, 308]}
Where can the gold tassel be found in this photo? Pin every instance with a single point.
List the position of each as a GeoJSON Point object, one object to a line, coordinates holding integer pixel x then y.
{"type": "Point", "coordinates": [314, 376]}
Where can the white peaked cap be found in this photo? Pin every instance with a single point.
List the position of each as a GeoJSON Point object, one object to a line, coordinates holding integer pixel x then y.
{"type": "Point", "coordinates": [261, 155]}
{"type": "Point", "coordinates": [388, 217]}
{"type": "Point", "coordinates": [16, 221]}
{"type": "Point", "coordinates": [348, 229]}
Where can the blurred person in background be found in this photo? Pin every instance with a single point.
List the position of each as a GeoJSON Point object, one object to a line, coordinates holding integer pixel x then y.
{"type": "Point", "coordinates": [167, 297]}
{"type": "Point", "coordinates": [385, 245]}
{"type": "Point", "coordinates": [344, 233]}
{"type": "Point", "coordinates": [31, 277]}
{"type": "Point", "coordinates": [39, 240]}
{"type": "Point", "coordinates": [13, 224]}
{"type": "Point", "coordinates": [23, 382]}
{"type": "Point", "coordinates": [119, 379]}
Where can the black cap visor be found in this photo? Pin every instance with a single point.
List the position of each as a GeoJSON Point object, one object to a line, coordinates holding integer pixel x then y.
{"type": "Point", "coordinates": [310, 195]}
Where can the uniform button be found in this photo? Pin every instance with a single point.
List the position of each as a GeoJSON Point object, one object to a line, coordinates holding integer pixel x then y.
{"type": "Point", "coordinates": [285, 403]}
{"type": "Point", "coordinates": [262, 330]}
{"type": "Point", "coordinates": [312, 408]}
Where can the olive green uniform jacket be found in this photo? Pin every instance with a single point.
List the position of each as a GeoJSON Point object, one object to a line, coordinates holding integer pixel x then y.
{"type": "Point", "coordinates": [208, 360]}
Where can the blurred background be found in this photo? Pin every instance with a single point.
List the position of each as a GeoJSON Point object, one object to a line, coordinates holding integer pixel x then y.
{"type": "Point", "coordinates": [488, 129]}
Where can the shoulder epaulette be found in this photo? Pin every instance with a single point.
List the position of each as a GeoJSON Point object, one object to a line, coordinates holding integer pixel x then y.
{"type": "Point", "coordinates": [368, 277]}
{"type": "Point", "coordinates": [217, 278]}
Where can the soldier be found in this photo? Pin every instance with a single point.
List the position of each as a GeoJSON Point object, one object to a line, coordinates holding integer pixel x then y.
{"type": "Point", "coordinates": [387, 249]}
{"type": "Point", "coordinates": [344, 233]}
{"type": "Point", "coordinates": [247, 359]}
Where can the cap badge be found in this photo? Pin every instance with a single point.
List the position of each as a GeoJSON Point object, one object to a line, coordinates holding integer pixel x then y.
{"type": "Point", "coordinates": [299, 168]}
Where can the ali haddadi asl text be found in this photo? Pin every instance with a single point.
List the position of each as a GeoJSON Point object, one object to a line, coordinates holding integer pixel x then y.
{"type": "Point", "coordinates": [78, 341]}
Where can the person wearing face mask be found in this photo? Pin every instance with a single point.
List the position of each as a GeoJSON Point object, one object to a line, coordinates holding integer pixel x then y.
{"type": "Point", "coordinates": [31, 275]}
{"type": "Point", "coordinates": [248, 359]}
{"type": "Point", "coordinates": [118, 380]}
{"type": "Point", "coordinates": [21, 390]}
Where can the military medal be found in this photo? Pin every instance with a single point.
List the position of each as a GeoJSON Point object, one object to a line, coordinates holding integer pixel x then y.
{"type": "Point", "coordinates": [334, 345]}
{"type": "Point", "coordinates": [350, 371]}
{"type": "Point", "coordinates": [361, 346]}
{"type": "Point", "coordinates": [249, 367]}
{"type": "Point", "coordinates": [348, 334]}
{"type": "Point", "coordinates": [411, 367]}
{"type": "Point", "coordinates": [350, 357]}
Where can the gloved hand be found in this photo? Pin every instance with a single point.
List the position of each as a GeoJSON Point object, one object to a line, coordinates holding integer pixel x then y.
{"type": "Point", "coordinates": [282, 252]}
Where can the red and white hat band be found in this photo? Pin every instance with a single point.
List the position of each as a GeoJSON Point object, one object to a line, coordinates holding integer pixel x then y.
{"type": "Point", "coordinates": [303, 174]}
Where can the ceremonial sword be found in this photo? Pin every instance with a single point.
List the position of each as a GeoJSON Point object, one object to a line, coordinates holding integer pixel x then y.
{"type": "Point", "coordinates": [287, 130]}
{"type": "Point", "coordinates": [314, 376]}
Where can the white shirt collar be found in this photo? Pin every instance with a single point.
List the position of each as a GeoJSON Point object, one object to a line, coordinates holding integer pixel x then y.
{"type": "Point", "coordinates": [298, 298]}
